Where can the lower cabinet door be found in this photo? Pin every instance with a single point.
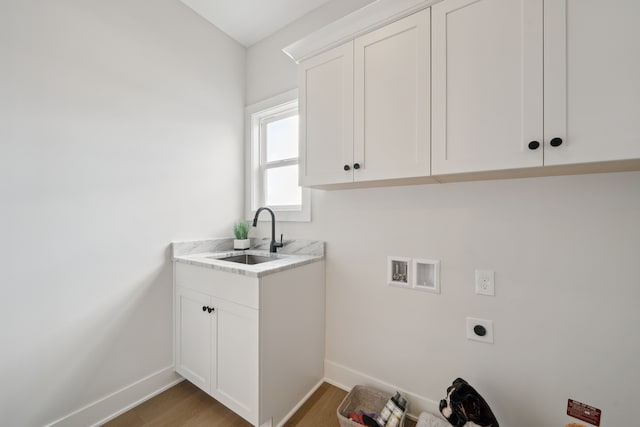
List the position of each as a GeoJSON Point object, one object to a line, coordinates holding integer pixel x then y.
{"type": "Point", "coordinates": [193, 337]}
{"type": "Point", "coordinates": [236, 359]}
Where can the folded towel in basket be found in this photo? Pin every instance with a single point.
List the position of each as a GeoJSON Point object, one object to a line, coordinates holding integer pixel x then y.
{"type": "Point", "coordinates": [429, 420]}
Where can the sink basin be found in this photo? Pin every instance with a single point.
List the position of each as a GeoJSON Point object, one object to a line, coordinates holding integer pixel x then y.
{"type": "Point", "coordinates": [247, 259]}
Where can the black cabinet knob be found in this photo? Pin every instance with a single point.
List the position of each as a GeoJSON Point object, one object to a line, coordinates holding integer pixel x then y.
{"type": "Point", "coordinates": [533, 145]}
{"type": "Point", "coordinates": [210, 309]}
{"type": "Point", "coordinates": [555, 142]}
{"type": "Point", "coordinates": [346, 167]}
{"type": "Point", "coordinates": [356, 165]}
{"type": "Point", "coordinates": [204, 308]}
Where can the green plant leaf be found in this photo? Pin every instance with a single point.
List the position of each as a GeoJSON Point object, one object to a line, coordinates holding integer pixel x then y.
{"type": "Point", "coordinates": [241, 230]}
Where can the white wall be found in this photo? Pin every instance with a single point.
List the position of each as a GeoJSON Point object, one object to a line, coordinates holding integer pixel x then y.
{"type": "Point", "coordinates": [565, 252]}
{"type": "Point", "coordinates": [120, 131]}
{"type": "Point", "coordinates": [269, 70]}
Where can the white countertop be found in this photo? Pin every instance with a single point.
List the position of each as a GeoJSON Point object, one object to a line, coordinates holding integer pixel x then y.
{"type": "Point", "coordinates": [206, 253]}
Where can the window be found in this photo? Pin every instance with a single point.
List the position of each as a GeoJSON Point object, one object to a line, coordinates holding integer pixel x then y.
{"type": "Point", "coordinates": [272, 159]}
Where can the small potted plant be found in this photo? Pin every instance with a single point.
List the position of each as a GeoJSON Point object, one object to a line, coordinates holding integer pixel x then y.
{"type": "Point", "coordinates": [241, 231]}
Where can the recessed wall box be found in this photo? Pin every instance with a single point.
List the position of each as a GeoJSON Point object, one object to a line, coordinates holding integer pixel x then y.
{"type": "Point", "coordinates": [426, 275]}
{"type": "Point", "coordinates": [398, 271]}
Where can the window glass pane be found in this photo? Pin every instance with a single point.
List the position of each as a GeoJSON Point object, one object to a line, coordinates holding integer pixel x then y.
{"type": "Point", "coordinates": [282, 186]}
{"type": "Point", "coordinates": [282, 139]}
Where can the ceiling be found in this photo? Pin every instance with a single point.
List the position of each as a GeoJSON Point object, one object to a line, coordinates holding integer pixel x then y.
{"type": "Point", "coordinates": [249, 21]}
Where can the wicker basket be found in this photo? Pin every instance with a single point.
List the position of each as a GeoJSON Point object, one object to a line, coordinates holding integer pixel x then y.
{"type": "Point", "coordinates": [363, 398]}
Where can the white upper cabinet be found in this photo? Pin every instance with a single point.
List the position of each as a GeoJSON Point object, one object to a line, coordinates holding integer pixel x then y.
{"type": "Point", "coordinates": [529, 83]}
{"type": "Point", "coordinates": [487, 85]}
{"type": "Point", "coordinates": [472, 86]}
{"type": "Point", "coordinates": [326, 116]}
{"type": "Point", "coordinates": [364, 107]}
{"type": "Point", "coordinates": [392, 114]}
{"type": "Point", "coordinates": [592, 80]}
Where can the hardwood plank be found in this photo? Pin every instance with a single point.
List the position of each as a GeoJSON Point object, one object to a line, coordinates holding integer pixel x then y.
{"type": "Point", "coordinates": [185, 405]}
{"type": "Point", "coordinates": [168, 400]}
{"type": "Point", "coordinates": [320, 409]}
{"type": "Point", "coordinates": [182, 405]}
{"type": "Point", "coordinates": [128, 419]}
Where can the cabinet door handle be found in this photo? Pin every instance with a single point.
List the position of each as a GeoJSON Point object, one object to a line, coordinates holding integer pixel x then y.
{"type": "Point", "coordinates": [533, 145]}
{"type": "Point", "coordinates": [356, 165]}
{"type": "Point", "coordinates": [210, 309]}
{"type": "Point", "coordinates": [347, 167]}
{"type": "Point", "coordinates": [555, 142]}
{"type": "Point", "coordinates": [204, 308]}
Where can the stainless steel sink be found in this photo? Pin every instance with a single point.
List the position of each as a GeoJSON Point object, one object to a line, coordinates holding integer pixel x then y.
{"type": "Point", "coordinates": [247, 259]}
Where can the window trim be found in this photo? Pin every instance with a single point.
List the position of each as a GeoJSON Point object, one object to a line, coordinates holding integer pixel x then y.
{"type": "Point", "coordinates": [254, 184]}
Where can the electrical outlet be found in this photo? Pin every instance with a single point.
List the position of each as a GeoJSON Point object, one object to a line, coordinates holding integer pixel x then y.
{"type": "Point", "coordinates": [480, 330]}
{"type": "Point", "coordinates": [485, 282]}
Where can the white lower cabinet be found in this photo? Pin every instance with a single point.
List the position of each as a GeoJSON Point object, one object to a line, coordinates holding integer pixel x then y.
{"type": "Point", "coordinates": [254, 344]}
{"type": "Point", "coordinates": [236, 357]}
{"type": "Point", "coordinates": [194, 336]}
{"type": "Point", "coordinates": [217, 349]}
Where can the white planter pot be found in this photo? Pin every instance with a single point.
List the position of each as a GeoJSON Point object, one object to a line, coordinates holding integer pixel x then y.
{"type": "Point", "coordinates": [241, 244]}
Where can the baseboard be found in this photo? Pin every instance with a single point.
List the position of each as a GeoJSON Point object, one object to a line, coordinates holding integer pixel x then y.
{"type": "Point", "coordinates": [118, 402]}
{"type": "Point", "coordinates": [345, 378]}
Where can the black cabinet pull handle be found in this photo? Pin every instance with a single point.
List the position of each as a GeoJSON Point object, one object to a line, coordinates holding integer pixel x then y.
{"type": "Point", "coordinates": [210, 309]}
{"type": "Point", "coordinates": [533, 145]}
{"type": "Point", "coordinates": [356, 165]}
{"type": "Point", "coordinates": [555, 142]}
{"type": "Point", "coordinates": [204, 308]}
{"type": "Point", "coordinates": [346, 167]}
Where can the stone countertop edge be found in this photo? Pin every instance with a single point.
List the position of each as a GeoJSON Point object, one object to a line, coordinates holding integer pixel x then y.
{"type": "Point", "coordinates": [294, 253]}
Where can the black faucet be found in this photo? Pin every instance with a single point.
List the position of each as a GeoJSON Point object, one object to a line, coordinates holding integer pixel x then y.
{"type": "Point", "coordinates": [273, 246]}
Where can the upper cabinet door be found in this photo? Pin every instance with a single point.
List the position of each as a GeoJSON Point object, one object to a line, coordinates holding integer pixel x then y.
{"type": "Point", "coordinates": [592, 80]}
{"type": "Point", "coordinates": [326, 117]}
{"type": "Point", "coordinates": [487, 85]}
{"type": "Point", "coordinates": [392, 114]}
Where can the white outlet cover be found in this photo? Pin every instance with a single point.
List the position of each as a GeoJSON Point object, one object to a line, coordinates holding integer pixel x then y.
{"type": "Point", "coordinates": [485, 282]}
{"type": "Point", "coordinates": [472, 322]}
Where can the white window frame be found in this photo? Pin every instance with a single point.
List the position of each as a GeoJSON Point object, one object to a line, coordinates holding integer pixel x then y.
{"type": "Point", "coordinates": [257, 116]}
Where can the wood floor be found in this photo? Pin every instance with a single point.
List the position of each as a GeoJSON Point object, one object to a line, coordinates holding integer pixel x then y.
{"type": "Point", "coordinates": [186, 405]}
